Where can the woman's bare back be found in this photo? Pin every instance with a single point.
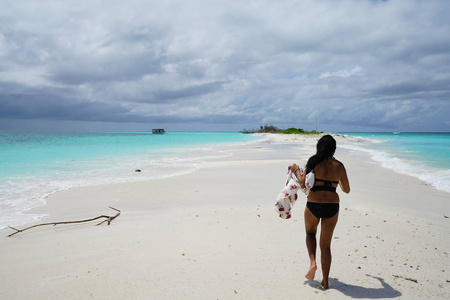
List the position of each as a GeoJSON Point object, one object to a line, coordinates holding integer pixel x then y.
{"type": "Point", "coordinates": [329, 170]}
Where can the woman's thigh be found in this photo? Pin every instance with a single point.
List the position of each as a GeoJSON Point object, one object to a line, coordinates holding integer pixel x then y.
{"type": "Point", "coordinates": [311, 222]}
{"type": "Point", "coordinates": [327, 229]}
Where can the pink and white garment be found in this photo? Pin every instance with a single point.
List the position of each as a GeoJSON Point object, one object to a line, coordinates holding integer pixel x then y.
{"type": "Point", "coordinates": [288, 195]}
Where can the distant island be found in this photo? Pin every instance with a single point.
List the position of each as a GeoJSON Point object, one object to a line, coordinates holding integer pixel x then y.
{"type": "Point", "coordinates": [274, 129]}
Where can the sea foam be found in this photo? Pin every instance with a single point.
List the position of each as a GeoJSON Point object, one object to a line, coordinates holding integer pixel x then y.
{"type": "Point", "coordinates": [405, 162]}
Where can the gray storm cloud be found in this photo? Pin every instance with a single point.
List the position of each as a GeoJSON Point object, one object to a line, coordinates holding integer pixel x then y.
{"type": "Point", "coordinates": [355, 65]}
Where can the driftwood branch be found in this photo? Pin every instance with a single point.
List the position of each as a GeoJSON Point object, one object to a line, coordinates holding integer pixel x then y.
{"type": "Point", "coordinates": [107, 219]}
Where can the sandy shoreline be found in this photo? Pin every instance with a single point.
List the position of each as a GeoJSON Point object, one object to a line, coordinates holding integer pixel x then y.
{"type": "Point", "coordinates": [214, 234]}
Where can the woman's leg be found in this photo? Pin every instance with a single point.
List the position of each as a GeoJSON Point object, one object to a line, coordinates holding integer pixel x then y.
{"type": "Point", "coordinates": [311, 223]}
{"type": "Point", "coordinates": [326, 234]}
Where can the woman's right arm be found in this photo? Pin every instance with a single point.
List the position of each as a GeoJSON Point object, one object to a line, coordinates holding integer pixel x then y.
{"type": "Point", "coordinates": [343, 181]}
{"type": "Point", "coordinates": [300, 177]}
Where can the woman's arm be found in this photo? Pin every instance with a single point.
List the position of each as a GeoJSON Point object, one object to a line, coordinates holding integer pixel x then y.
{"type": "Point", "coordinates": [300, 177]}
{"type": "Point", "coordinates": [343, 181]}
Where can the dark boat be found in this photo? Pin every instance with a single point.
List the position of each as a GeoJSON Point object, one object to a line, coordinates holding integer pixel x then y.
{"type": "Point", "coordinates": [158, 131]}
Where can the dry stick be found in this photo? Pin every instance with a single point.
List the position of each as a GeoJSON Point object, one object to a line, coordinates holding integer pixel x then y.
{"type": "Point", "coordinates": [108, 219]}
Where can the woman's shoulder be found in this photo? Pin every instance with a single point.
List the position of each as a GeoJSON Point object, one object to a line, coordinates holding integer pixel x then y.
{"type": "Point", "coordinates": [338, 163]}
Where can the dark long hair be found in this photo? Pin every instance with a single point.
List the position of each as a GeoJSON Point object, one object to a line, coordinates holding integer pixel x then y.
{"type": "Point", "coordinates": [325, 148]}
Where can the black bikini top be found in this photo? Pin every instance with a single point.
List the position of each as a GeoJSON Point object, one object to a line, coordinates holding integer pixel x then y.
{"type": "Point", "coordinates": [327, 185]}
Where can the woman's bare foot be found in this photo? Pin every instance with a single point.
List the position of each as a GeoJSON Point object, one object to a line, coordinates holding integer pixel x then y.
{"type": "Point", "coordinates": [311, 273]}
{"type": "Point", "coordinates": [324, 284]}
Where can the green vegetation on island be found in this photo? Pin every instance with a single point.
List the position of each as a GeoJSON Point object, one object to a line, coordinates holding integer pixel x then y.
{"type": "Point", "coordinates": [274, 129]}
{"type": "Point", "coordinates": [299, 131]}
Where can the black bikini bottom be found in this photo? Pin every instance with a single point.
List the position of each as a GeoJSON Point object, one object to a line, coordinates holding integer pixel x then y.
{"type": "Point", "coordinates": [323, 210]}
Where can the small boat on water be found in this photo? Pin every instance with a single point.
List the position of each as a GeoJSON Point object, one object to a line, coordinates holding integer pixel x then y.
{"type": "Point", "coordinates": [158, 131]}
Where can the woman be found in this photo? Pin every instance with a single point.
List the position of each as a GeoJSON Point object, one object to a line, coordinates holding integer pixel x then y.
{"type": "Point", "coordinates": [323, 202]}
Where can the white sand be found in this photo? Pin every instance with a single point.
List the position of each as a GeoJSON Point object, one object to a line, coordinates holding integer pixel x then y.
{"type": "Point", "coordinates": [214, 234]}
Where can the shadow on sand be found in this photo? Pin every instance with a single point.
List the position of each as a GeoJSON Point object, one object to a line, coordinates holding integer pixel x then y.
{"type": "Point", "coordinates": [354, 291]}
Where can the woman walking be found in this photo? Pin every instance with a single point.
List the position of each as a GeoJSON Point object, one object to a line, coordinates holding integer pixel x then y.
{"type": "Point", "coordinates": [323, 203]}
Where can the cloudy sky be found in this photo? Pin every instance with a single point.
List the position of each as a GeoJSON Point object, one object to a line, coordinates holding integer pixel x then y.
{"type": "Point", "coordinates": [352, 65]}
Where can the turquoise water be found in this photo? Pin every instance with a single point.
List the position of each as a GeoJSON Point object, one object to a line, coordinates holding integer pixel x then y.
{"type": "Point", "coordinates": [37, 164]}
{"type": "Point", "coordinates": [34, 165]}
{"type": "Point", "coordinates": [423, 155]}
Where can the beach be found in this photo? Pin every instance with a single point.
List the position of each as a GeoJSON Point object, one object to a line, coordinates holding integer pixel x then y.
{"type": "Point", "coordinates": [214, 234]}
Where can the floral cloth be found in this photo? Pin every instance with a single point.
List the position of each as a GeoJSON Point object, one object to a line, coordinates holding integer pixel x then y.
{"type": "Point", "coordinates": [288, 195]}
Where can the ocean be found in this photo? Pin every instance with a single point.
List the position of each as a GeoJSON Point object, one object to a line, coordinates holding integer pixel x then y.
{"type": "Point", "coordinates": [34, 165]}
{"type": "Point", "coordinates": [422, 155]}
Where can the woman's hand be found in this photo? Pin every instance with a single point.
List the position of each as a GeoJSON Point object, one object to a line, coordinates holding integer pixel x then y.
{"type": "Point", "coordinates": [295, 169]}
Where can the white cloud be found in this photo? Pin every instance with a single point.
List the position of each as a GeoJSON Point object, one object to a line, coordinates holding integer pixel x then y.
{"type": "Point", "coordinates": [342, 73]}
{"type": "Point", "coordinates": [27, 76]}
